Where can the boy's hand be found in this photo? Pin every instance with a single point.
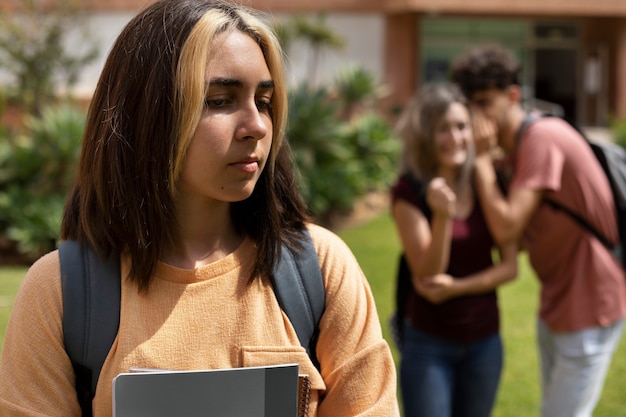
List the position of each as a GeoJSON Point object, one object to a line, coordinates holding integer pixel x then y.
{"type": "Point", "coordinates": [485, 133]}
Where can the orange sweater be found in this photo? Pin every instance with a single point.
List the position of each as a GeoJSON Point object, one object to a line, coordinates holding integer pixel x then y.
{"type": "Point", "coordinates": [204, 319]}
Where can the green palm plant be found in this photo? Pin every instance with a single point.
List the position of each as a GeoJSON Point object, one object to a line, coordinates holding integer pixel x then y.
{"type": "Point", "coordinates": [338, 161]}
{"type": "Point", "coordinates": [315, 134]}
{"type": "Point", "coordinates": [357, 89]}
{"type": "Point", "coordinates": [36, 171]}
{"type": "Point", "coordinates": [375, 146]}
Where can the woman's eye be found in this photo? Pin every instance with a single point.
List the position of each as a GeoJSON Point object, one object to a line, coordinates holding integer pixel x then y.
{"type": "Point", "coordinates": [214, 103]}
{"type": "Point", "coordinates": [264, 106]}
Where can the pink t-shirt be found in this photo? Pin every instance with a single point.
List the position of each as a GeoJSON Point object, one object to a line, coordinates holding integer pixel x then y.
{"type": "Point", "coordinates": [582, 283]}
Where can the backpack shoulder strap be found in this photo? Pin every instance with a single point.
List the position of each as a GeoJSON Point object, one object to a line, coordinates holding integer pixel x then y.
{"type": "Point", "coordinates": [528, 120]}
{"type": "Point", "coordinates": [299, 287]}
{"type": "Point", "coordinates": [91, 312]}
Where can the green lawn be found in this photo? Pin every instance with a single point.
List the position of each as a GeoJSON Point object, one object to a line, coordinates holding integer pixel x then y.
{"type": "Point", "coordinates": [376, 247]}
{"type": "Point", "coordinates": [10, 278]}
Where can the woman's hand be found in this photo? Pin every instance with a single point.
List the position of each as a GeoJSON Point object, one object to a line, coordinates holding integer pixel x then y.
{"type": "Point", "coordinates": [436, 289]}
{"type": "Point", "coordinates": [440, 197]}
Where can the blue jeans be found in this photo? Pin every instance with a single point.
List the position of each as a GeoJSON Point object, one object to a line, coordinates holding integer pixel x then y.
{"type": "Point", "coordinates": [574, 366]}
{"type": "Point", "coordinates": [440, 378]}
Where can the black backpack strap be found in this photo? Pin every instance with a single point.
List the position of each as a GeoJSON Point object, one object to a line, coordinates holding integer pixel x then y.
{"type": "Point", "coordinates": [299, 287]}
{"type": "Point", "coordinates": [582, 222]}
{"type": "Point", "coordinates": [528, 120]}
{"type": "Point", "coordinates": [91, 313]}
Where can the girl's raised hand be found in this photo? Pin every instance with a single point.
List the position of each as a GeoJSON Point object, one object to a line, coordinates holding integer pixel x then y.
{"type": "Point", "coordinates": [440, 197]}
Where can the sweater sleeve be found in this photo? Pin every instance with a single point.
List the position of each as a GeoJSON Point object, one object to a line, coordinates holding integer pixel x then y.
{"type": "Point", "coordinates": [356, 362]}
{"type": "Point", "coordinates": [36, 376]}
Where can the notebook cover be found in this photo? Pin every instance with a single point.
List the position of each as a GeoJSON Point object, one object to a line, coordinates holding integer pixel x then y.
{"type": "Point", "coordinates": [270, 391]}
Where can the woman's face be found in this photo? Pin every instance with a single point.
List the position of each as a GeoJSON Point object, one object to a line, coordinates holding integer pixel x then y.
{"type": "Point", "coordinates": [452, 135]}
{"type": "Point", "coordinates": [233, 138]}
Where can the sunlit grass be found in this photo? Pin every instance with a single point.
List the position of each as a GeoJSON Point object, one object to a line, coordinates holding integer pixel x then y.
{"type": "Point", "coordinates": [10, 278]}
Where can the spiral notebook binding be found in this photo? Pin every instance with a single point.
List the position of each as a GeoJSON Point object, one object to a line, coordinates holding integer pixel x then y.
{"type": "Point", "coordinates": [304, 395]}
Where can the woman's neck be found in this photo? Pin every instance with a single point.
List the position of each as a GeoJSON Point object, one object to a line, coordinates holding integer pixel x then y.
{"type": "Point", "coordinates": [452, 178]}
{"type": "Point", "coordinates": [205, 234]}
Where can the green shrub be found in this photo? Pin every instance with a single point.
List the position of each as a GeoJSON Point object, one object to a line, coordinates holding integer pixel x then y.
{"type": "Point", "coordinates": [357, 90]}
{"type": "Point", "coordinates": [338, 161]}
{"type": "Point", "coordinates": [314, 133]}
{"type": "Point", "coordinates": [375, 149]}
{"type": "Point", "coordinates": [36, 169]}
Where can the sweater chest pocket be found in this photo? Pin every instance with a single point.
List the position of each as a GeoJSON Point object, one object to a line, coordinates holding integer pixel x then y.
{"type": "Point", "coordinates": [278, 355]}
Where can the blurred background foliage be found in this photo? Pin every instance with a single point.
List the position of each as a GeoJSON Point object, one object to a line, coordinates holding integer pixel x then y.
{"type": "Point", "coordinates": [34, 52]}
{"type": "Point", "coordinates": [36, 171]}
{"type": "Point", "coordinates": [618, 128]}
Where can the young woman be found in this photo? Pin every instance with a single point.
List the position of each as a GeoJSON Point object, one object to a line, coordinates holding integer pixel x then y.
{"type": "Point", "coordinates": [451, 350]}
{"type": "Point", "coordinates": [186, 176]}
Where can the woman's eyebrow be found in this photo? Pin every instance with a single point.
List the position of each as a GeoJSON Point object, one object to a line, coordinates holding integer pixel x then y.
{"type": "Point", "coordinates": [268, 84]}
{"type": "Point", "coordinates": [233, 82]}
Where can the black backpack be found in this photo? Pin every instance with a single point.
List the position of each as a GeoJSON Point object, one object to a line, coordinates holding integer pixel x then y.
{"type": "Point", "coordinates": [612, 159]}
{"type": "Point", "coordinates": [91, 305]}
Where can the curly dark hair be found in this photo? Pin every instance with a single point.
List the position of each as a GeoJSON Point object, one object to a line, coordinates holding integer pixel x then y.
{"type": "Point", "coordinates": [484, 68]}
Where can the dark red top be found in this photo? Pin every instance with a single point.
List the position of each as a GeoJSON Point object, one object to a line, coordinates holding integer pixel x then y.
{"type": "Point", "coordinates": [466, 318]}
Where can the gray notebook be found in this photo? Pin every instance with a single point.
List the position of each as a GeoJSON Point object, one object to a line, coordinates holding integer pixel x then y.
{"type": "Point", "coordinates": [267, 391]}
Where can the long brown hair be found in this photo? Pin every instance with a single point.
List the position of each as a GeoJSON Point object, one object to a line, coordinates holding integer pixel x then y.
{"type": "Point", "coordinates": [139, 125]}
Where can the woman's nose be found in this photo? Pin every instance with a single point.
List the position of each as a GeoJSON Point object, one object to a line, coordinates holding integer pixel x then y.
{"type": "Point", "coordinates": [254, 123]}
